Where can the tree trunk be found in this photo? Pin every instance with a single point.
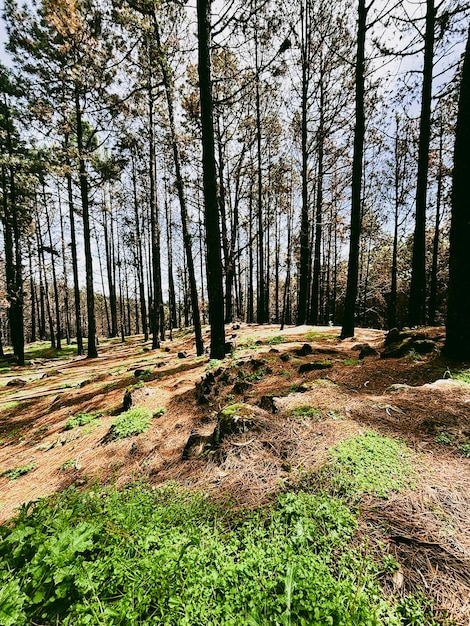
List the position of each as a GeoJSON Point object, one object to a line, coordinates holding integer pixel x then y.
{"type": "Point", "coordinates": [302, 304]}
{"type": "Point", "coordinates": [417, 303]}
{"type": "Point", "coordinates": [457, 345]}
{"type": "Point", "coordinates": [435, 244]}
{"type": "Point", "coordinates": [92, 351]}
{"type": "Point", "coordinates": [73, 246]}
{"type": "Point", "coordinates": [214, 260]}
{"type": "Point", "coordinates": [168, 81]}
{"type": "Point", "coordinates": [359, 131]}
{"type": "Point", "coordinates": [139, 254]}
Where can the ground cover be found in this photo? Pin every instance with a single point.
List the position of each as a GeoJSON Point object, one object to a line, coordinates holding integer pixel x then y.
{"type": "Point", "coordinates": [384, 440]}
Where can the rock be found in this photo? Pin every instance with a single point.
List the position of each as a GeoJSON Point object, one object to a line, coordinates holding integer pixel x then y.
{"type": "Point", "coordinates": [285, 357]}
{"type": "Point", "coordinates": [316, 365]}
{"type": "Point", "coordinates": [229, 346]}
{"type": "Point", "coordinates": [393, 336]}
{"type": "Point", "coordinates": [274, 351]}
{"type": "Point", "coordinates": [235, 326]}
{"type": "Point", "coordinates": [50, 373]}
{"type": "Point", "coordinates": [16, 382]}
{"type": "Point", "coordinates": [138, 373]}
{"type": "Point", "coordinates": [367, 350]}
{"type": "Point", "coordinates": [183, 354]}
{"type": "Point", "coordinates": [304, 350]}
{"type": "Point", "coordinates": [268, 403]}
{"type": "Point", "coordinates": [241, 386]}
{"type": "Point", "coordinates": [397, 387]}
{"type": "Point", "coordinates": [397, 350]}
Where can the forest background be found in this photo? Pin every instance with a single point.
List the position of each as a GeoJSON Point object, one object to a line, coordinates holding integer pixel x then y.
{"type": "Point", "coordinates": [332, 131]}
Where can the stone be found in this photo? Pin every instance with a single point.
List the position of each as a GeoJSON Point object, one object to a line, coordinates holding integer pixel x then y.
{"type": "Point", "coordinates": [424, 346]}
{"type": "Point", "coordinates": [183, 354]}
{"type": "Point", "coordinates": [16, 382]}
{"type": "Point", "coordinates": [367, 350]}
{"type": "Point", "coordinates": [304, 350]}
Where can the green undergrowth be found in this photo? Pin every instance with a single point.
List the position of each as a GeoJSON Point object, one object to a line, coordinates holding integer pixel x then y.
{"type": "Point", "coordinates": [369, 463]}
{"type": "Point", "coordinates": [82, 418]}
{"type": "Point", "coordinates": [16, 472]}
{"type": "Point", "coordinates": [462, 375]}
{"type": "Point", "coordinates": [131, 422]}
{"type": "Point", "coordinates": [146, 556]}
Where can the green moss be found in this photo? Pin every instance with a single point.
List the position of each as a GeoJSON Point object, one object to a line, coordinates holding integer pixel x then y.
{"type": "Point", "coordinates": [132, 422]}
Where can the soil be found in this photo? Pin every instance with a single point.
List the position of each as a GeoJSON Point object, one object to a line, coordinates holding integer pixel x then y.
{"type": "Point", "coordinates": [427, 529]}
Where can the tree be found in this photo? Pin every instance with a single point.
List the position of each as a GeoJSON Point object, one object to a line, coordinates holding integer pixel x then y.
{"type": "Point", "coordinates": [457, 344]}
{"type": "Point", "coordinates": [417, 304]}
{"type": "Point", "coordinates": [359, 131]}
{"type": "Point", "coordinates": [211, 212]}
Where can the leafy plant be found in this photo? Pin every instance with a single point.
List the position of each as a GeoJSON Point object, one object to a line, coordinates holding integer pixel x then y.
{"type": "Point", "coordinates": [16, 472]}
{"type": "Point", "coordinates": [82, 418]}
{"type": "Point", "coordinates": [462, 375]}
{"type": "Point", "coordinates": [164, 556]}
{"type": "Point", "coordinates": [444, 438]}
{"type": "Point", "coordinates": [132, 422]}
{"type": "Point", "coordinates": [465, 448]}
{"type": "Point", "coordinates": [69, 464]}
{"type": "Point", "coordinates": [350, 361]}
{"type": "Point", "coordinates": [369, 463]}
{"type": "Point", "coordinates": [275, 339]}
{"type": "Point", "coordinates": [213, 363]}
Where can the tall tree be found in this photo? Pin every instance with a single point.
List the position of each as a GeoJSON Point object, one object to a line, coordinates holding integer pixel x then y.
{"type": "Point", "coordinates": [211, 212]}
{"type": "Point", "coordinates": [359, 131]}
{"type": "Point", "coordinates": [417, 303]}
{"type": "Point", "coordinates": [457, 344]}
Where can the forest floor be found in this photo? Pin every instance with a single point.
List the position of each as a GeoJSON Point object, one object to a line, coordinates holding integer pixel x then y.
{"type": "Point", "coordinates": [416, 398]}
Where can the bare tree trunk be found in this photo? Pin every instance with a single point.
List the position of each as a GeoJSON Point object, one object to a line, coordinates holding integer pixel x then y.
{"type": "Point", "coordinates": [457, 345]}
{"type": "Point", "coordinates": [417, 303]}
{"type": "Point", "coordinates": [356, 202]}
{"type": "Point", "coordinates": [92, 351]}
{"type": "Point", "coordinates": [76, 285]}
{"type": "Point", "coordinates": [214, 260]}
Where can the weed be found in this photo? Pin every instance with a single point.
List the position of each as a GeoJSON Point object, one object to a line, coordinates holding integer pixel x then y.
{"type": "Point", "coordinates": [312, 335]}
{"type": "Point", "coordinates": [16, 472]}
{"type": "Point", "coordinates": [369, 463]}
{"type": "Point", "coordinates": [305, 411]}
{"type": "Point", "coordinates": [82, 418]}
{"type": "Point", "coordinates": [350, 361]}
{"type": "Point", "coordinates": [465, 448]}
{"type": "Point", "coordinates": [132, 422]}
{"type": "Point", "coordinates": [252, 377]}
{"type": "Point", "coordinates": [444, 438]}
{"type": "Point", "coordinates": [274, 340]}
{"type": "Point", "coordinates": [335, 415]}
{"type": "Point", "coordinates": [462, 375]}
{"type": "Point", "coordinates": [70, 464]}
{"type": "Point", "coordinates": [9, 405]}
{"type": "Point", "coordinates": [145, 556]}
{"type": "Point", "coordinates": [159, 412]}
{"type": "Point", "coordinates": [213, 363]}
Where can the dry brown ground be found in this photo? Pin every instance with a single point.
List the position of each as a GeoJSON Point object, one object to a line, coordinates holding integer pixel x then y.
{"type": "Point", "coordinates": [427, 529]}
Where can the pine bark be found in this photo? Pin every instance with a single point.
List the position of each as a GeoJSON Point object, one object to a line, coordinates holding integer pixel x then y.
{"type": "Point", "coordinates": [214, 259]}
{"type": "Point", "coordinates": [457, 344]}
